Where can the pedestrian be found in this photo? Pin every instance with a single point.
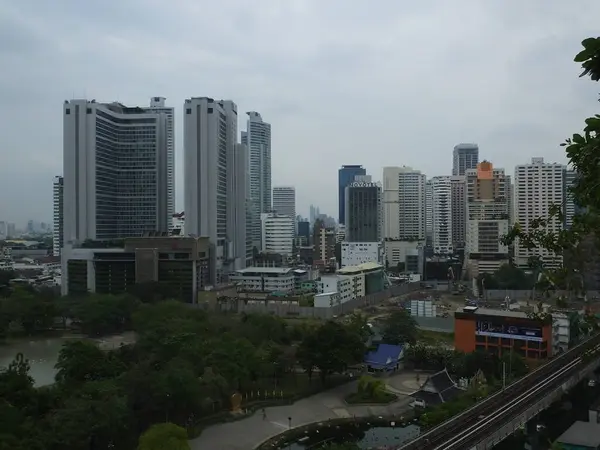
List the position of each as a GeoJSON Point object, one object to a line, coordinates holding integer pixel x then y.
{"type": "Point", "coordinates": [264, 413]}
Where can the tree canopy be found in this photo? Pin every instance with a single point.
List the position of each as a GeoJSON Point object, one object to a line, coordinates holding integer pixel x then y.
{"type": "Point", "coordinates": [399, 328]}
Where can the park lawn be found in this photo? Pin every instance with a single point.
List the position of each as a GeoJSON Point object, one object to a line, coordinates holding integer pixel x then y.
{"type": "Point", "coordinates": [382, 397]}
{"type": "Point", "coordinates": [434, 337]}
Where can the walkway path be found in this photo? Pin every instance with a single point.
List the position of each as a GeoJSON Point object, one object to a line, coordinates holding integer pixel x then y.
{"type": "Point", "coordinates": [247, 433]}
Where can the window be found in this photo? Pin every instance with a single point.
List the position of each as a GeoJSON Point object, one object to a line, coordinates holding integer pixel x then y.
{"type": "Point", "coordinates": [88, 111]}
{"type": "Point", "coordinates": [68, 111]}
{"type": "Point", "coordinates": [210, 110]}
{"type": "Point", "coordinates": [188, 110]}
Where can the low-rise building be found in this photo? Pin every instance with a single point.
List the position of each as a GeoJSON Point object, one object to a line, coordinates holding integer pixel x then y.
{"type": "Point", "coordinates": [336, 284]}
{"type": "Point", "coordinates": [367, 278]}
{"type": "Point", "coordinates": [327, 300]}
{"type": "Point", "coordinates": [501, 332]}
{"type": "Point", "coordinates": [355, 253]}
{"type": "Point", "coordinates": [180, 263]}
{"type": "Point", "coordinates": [265, 279]}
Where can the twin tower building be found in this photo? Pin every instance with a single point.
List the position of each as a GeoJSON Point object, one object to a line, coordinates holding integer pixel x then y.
{"type": "Point", "coordinates": [119, 175]}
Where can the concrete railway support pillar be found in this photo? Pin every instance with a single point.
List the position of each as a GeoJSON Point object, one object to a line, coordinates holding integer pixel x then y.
{"type": "Point", "coordinates": [532, 437]}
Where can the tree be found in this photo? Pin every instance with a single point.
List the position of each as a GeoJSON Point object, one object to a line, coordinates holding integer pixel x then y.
{"type": "Point", "coordinates": [81, 361]}
{"type": "Point", "coordinates": [164, 436]}
{"type": "Point", "coordinates": [583, 153]}
{"type": "Point", "coordinates": [400, 328]}
{"type": "Point", "coordinates": [331, 348]}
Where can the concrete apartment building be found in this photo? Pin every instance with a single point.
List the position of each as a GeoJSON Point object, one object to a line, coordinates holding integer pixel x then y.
{"type": "Point", "coordinates": [464, 156]}
{"type": "Point", "coordinates": [538, 186]}
{"type": "Point", "coordinates": [57, 203]}
{"type": "Point", "coordinates": [115, 171]}
{"type": "Point", "coordinates": [257, 138]}
{"type": "Point", "coordinates": [488, 217]}
{"type": "Point", "coordinates": [404, 212]}
{"type": "Point", "coordinates": [458, 206]}
{"type": "Point", "coordinates": [323, 243]}
{"type": "Point", "coordinates": [277, 234]}
{"type": "Point", "coordinates": [182, 264]}
{"type": "Point", "coordinates": [215, 188]}
{"type": "Point", "coordinates": [284, 201]}
{"type": "Point", "coordinates": [442, 215]}
{"type": "Point", "coordinates": [429, 212]}
{"type": "Point", "coordinates": [363, 210]}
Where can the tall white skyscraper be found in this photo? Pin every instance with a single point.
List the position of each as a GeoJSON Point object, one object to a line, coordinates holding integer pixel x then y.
{"type": "Point", "coordinates": [277, 233]}
{"type": "Point", "coordinates": [257, 138]}
{"type": "Point", "coordinates": [215, 181]}
{"type": "Point", "coordinates": [57, 231]}
{"type": "Point", "coordinates": [404, 204]}
{"type": "Point", "coordinates": [459, 211]}
{"type": "Point", "coordinates": [442, 215]}
{"type": "Point", "coordinates": [465, 156]}
{"type": "Point", "coordinates": [157, 104]}
{"type": "Point", "coordinates": [429, 210]}
{"type": "Point", "coordinates": [569, 208]}
{"type": "Point", "coordinates": [538, 186]}
{"type": "Point", "coordinates": [284, 201]}
{"type": "Point", "coordinates": [115, 171]}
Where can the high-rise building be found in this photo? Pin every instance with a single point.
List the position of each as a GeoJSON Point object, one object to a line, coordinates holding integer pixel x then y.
{"type": "Point", "coordinates": [459, 211]}
{"type": "Point", "coordinates": [277, 234]}
{"type": "Point", "coordinates": [429, 212]}
{"type": "Point", "coordinates": [442, 215]}
{"type": "Point", "coordinates": [363, 210]}
{"type": "Point", "coordinates": [3, 229]}
{"type": "Point", "coordinates": [570, 208]}
{"type": "Point", "coordinates": [538, 186]}
{"type": "Point", "coordinates": [323, 242]}
{"type": "Point", "coordinates": [57, 200]}
{"type": "Point", "coordinates": [346, 176]}
{"type": "Point", "coordinates": [314, 214]}
{"type": "Point", "coordinates": [215, 181]}
{"type": "Point", "coordinates": [488, 216]}
{"type": "Point", "coordinates": [465, 156]}
{"type": "Point", "coordinates": [257, 138]}
{"type": "Point", "coordinates": [115, 174]}
{"type": "Point", "coordinates": [284, 201]}
{"type": "Point", "coordinates": [404, 204]}
{"type": "Point", "coordinates": [157, 105]}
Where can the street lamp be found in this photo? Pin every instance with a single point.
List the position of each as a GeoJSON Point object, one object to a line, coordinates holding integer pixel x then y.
{"type": "Point", "coordinates": [290, 423]}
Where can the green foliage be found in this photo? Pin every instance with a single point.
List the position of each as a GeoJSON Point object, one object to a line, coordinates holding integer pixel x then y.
{"type": "Point", "coordinates": [164, 436]}
{"type": "Point", "coordinates": [400, 328]}
{"type": "Point", "coordinates": [583, 153]}
{"type": "Point", "coordinates": [370, 390]}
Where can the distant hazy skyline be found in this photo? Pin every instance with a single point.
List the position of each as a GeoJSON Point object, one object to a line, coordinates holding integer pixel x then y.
{"type": "Point", "coordinates": [389, 83]}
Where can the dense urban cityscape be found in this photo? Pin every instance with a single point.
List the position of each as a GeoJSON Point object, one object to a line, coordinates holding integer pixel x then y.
{"type": "Point", "coordinates": [430, 311]}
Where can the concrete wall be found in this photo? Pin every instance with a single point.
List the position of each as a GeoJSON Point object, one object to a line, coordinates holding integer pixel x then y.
{"type": "Point", "coordinates": [525, 294]}
{"type": "Point", "coordinates": [283, 308]}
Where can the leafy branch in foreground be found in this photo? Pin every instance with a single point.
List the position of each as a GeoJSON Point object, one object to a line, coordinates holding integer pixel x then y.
{"type": "Point", "coordinates": [546, 234]}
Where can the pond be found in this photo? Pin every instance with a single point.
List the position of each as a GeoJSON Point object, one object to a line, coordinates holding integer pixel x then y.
{"type": "Point", "coordinates": [374, 435]}
{"type": "Point", "coordinates": [42, 353]}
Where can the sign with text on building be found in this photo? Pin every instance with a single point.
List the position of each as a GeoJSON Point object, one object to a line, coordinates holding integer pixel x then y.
{"type": "Point", "coordinates": [507, 331]}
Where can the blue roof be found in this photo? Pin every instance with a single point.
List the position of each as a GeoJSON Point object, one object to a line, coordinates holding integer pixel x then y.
{"type": "Point", "coordinates": [385, 355]}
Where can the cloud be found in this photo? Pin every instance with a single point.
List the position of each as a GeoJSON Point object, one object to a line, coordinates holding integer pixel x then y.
{"type": "Point", "coordinates": [373, 83]}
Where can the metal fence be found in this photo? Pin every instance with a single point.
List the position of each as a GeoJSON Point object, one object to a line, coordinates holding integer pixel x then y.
{"type": "Point", "coordinates": [284, 308]}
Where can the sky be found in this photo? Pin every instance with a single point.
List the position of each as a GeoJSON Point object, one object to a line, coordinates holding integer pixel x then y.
{"type": "Point", "coordinates": [379, 83]}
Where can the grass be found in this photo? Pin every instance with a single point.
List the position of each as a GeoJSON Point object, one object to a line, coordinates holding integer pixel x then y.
{"type": "Point", "coordinates": [382, 398]}
{"type": "Point", "coordinates": [434, 337]}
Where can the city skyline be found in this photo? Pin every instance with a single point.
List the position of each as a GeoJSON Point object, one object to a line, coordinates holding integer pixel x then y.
{"type": "Point", "coordinates": [536, 102]}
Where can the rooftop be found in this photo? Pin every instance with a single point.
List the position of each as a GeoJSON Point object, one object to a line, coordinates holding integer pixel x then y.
{"type": "Point", "coordinates": [281, 270]}
{"type": "Point", "coordinates": [491, 312]}
{"type": "Point", "coordinates": [582, 434]}
{"type": "Point", "coordinates": [385, 355]}
{"type": "Point", "coordinates": [360, 268]}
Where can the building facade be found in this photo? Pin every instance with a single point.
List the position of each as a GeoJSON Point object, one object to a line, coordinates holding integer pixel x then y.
{"type": "Point", "coordinates": [257, 138]}
{"type": "Point", "coordinates": [346, 175]}
{"type": "Point", "coordinates": [488, 217]}
{"type": "Point", "coordinates": [157, 105]}
{"type": "Point", "coordinates": [442, 215]}
{"type": "Point", "coordinates": [57, 231]}
{"type": "Point", "coordinates": [404, 204]}
{"type": "Point", "coordinates": [265, 279]}
{"type": "Point", "coordinates": [429, 211]}
{"type": "Point", "coordinates": [215, 181]}
{"type": "Point", "coordinates": [277, 234]}
{"type": "Point", "coordinates": [538, 186]}
{"type": "Point", "coordinates": [323, 242]}
{"type": "Point", "coordinates": [182, 265]}
{"type": "Point", "coordinates": [115, 171]}
{"type": "Point", "coordinates": [356, 253]}
{"type": "Point", "coordinates": [458, 207]}
{"type": "Point", "coordinates": [465, 156]}
{"type": "Point", "coordinates": [284, 201]}
{"type": "Point", "coordinates": [363, 211]}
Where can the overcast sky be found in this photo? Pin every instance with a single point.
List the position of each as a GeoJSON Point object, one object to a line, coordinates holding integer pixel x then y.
{"type": "Point", "coordinates": [386, 82]}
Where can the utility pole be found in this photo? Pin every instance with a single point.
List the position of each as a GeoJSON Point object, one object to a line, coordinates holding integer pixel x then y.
{"type": "Point", "coordinates": [503, 375]}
